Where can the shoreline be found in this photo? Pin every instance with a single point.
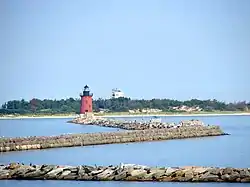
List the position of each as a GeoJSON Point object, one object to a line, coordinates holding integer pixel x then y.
{"type": "Point", "coordinates": [128, 115]}
{"type": "Point", "coordinates": [179, 115]}
{"type": "Point", "coordinates": [125, 172]}
{"type": "Point", "coordinates": [37, 117]}
{"type": "Point", "coordinates": [102, 138]}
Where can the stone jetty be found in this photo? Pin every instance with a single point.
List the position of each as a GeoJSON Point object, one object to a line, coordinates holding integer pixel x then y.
{"type": "Point", "coordinates": [85, 139]}
{"type": "Point", "coordinates": [132, 125]}
{"type": "Point", "coordinates": [124, 172]}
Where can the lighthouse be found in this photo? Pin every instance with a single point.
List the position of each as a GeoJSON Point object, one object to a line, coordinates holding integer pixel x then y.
{"type": "Point", "coordinates": [86, 101]}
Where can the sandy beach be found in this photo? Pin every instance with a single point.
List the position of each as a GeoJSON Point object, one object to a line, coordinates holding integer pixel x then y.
{"type": "Point", "coordinates": [36, 117]}
{"type": "Point", "coordinates": [181, 115]}
{"type": "Point", "coordinates": [128, 115]}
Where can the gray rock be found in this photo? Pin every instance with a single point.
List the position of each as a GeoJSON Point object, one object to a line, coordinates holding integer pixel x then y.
{"type": "Point", "coordinates": [244, 173]}
{"type": "Point", "coordinates": [170, 171]}
{"type": "Point", "coordinates": [38, 174]}
{"type": "Point", "coordinates": [138, 172]}
{"type": "Point", "coordinates": [125, 172]}
{"type": "Point", "coordinates": [146, 132]}
{"type": "Point", "coordinates": [179, 173]}
{"type": "Point", "coordinates": [120, 176]}
{"type": "Point", "coordinates": [96, 172]}
{"type": "Point", "coordinates": [22, 171]}
{"type": "Point", "coordinates": [13, 166]}
{"type": "Point", "coordinates": [199, 170]}
{"type": "Point", "coordinates": [71, 176]}
{"type": "Point", "coordinates": [81, 171]}
{"type": "Point", "coordinates": [47, 168]}
{"type": "Point", "coordinates": [227, 171]}
{"type": "Point", "coordinates": [53, 173]}
{"type": "Point", "coordinates": [4, 174]}
{"type": "Point", "coordinates": [85, 177]}
{"type": "Point", "coordinates": [158, 173]}
{"type": "Point", "coordinates": [233, 176]}
{"type": "Point", "coordinates": [106, 174]}
{"type": "Point", "coordinates": [71, 169]}
{"type": "Point", "coordinates": [214, 171]}
{"type": "Point", "coordinates": [188, 176]}
{"type": "Point", "coordinates": [88, 169]}
{"type": "Point", "coordinates": [209, 177]}
{"type": "Point", "coordinates": [247, 179]}
{"type": "Point", "coordinates": [197, 179]}
{"type": "Point", "coordinates": [238, 180]}
{"type": "Point", "coordinates": [225, 177]}
{"type": "Point", "coordinates": [65, 173]}
{"type": "Point", "coordinates": [184, 179]}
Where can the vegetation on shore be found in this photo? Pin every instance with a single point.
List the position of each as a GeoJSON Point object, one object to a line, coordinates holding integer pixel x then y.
{"type": "Point", "coordinates": [71, 106]}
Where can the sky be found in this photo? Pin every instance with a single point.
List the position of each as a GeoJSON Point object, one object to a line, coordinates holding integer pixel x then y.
{"type": "Point", "coordinates": [174, 49]}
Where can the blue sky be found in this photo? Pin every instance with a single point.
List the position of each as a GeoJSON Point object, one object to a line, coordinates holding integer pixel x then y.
{"type": "Point", "coordinates": [174, 49]}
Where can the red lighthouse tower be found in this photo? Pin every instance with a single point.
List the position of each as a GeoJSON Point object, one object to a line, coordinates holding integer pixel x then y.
{"type": "Point", "coordinates": [86, 101]}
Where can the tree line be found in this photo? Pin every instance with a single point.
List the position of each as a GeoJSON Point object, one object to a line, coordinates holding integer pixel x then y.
{"type": "Point", "coordinates": [71, 105]}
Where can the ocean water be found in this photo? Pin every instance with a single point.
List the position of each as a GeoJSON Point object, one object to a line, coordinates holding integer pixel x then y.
{"type": "Point", "coordinates": [231, 151]}
{"type": "Point", "coordinates": [45, 127]}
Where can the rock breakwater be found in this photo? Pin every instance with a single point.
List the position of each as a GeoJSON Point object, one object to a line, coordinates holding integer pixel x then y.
{"type": "Point", "coordinates": [124, 172]}
{"type": "Point", "coordinates": [132, 125]}
{"type": "Point", "coordinates": [85, 139]}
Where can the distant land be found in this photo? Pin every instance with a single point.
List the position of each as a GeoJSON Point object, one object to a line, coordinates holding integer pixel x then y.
{"type": "Point", "coordinates": [122, 106]}
{"type": "Point", "coordinates": [126, 114]}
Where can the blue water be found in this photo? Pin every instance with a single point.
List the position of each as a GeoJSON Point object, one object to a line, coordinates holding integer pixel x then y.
{"type": "Point", "coordinates": [231, 151]}
{"type": "Point", "coordinates": [45, 127]}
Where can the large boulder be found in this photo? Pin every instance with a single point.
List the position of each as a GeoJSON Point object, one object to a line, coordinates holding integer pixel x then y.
{"type": "Point", "coordinates": [208, 177]}
{"type": "Point", "coordinates": [170, 171]}
{"type": "Point", "coordinates": [4, 173]}
{"type": "Point", "coordinates": [107, 174]}
{"type": "Point", "coordinates": [244, 173]}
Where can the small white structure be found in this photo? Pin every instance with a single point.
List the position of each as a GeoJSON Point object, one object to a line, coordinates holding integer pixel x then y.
{"type": "Point", "coordinates": [116, 93]}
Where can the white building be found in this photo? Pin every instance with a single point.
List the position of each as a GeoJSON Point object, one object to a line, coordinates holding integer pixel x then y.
{"type": "Point", "coordinates": [116, 93]}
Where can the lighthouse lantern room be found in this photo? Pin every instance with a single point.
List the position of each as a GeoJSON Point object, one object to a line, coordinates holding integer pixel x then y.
{"type": "Point", "coordinates": [86, 101]}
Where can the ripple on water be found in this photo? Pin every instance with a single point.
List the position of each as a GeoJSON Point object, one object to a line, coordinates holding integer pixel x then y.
{"type": "Point", "coordinates": [221, 151]}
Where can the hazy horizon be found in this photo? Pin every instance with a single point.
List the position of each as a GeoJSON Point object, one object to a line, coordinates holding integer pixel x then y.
{"type": "Point", "coordinates": [149, 49]}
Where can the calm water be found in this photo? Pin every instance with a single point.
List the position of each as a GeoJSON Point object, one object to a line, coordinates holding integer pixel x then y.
{"type": "Point", "coordinates": [233, 150]}
{"type": "Point", "coordinates": [44, 127]}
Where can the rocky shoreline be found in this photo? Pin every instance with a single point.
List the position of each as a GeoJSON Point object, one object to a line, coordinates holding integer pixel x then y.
{"type": "Point", "coordinates": [124, 172]}
{"type": "Point", "coordinates": [132, 125]}
{"type": "Point", "coordinates": [85, 139]}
